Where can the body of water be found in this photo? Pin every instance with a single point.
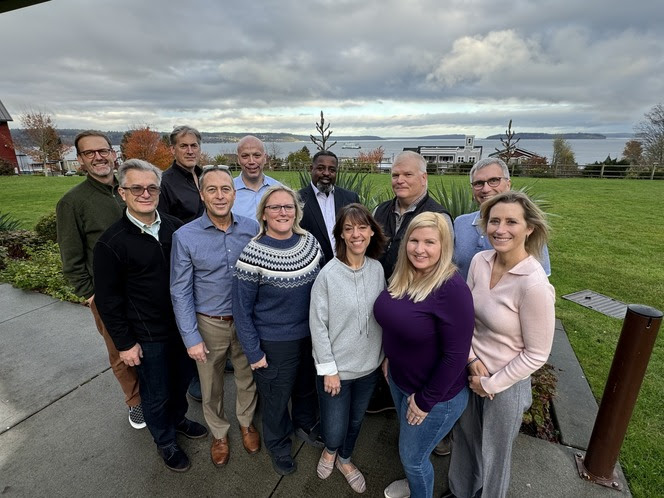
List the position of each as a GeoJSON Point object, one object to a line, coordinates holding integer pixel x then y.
{"type": "Point", "coordinates": [585, 151]}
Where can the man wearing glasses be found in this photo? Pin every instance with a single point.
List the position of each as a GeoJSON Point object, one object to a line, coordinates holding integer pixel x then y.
{"type": "Point", "coordinates": [252, 183]}
{"type": "Point", "coordinates": [488, 178]}
{"type": "Point", "coordinates": [132, 270]}
{"type": "Point", "coordinates": [83, 214]}
{"type": "Point", "coordinates": [203, 259]}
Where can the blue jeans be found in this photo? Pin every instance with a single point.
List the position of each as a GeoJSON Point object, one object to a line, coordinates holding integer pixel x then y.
{"type": "Point", "coordinates": [416, 442]}
{"type": "Point", "coordinates": [163, 378]}
{"type": "Point", "coordinates": [289, 376]}
{"type": "Point", "coordinates": [341, 416]}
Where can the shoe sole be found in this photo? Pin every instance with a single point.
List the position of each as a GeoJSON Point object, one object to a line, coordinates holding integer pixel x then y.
{"type": "Point", "coordinates": [282, 472]}
{"type": "Point", "coordinates": [251, 452]}
{"type": "Point", "coordinates": [441, 453]}
{"type": "Point", "coordinates": [179, 470]}
{"type": "Point", "coordinates": [221, 464]}
{"type": "Point", "coordinates": [194, 398]}
{"type": "Point", "coordinates": [189, 436]}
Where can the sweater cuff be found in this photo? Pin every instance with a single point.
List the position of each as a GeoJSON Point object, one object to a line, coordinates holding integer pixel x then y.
{"type": "Point", "coordinates": [422, 404]}
{"type": "Point", "coordinates": [329, 368]}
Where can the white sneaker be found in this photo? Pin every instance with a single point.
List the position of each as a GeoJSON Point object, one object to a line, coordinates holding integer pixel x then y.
{"type": "Point", "coordinates": [136, 419]}
{"type": "Point", "coordinates": [398, 489]}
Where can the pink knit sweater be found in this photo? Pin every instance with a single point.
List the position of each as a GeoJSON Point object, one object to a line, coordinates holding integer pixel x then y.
{"type": "Point", "coordinates": [514, 321]}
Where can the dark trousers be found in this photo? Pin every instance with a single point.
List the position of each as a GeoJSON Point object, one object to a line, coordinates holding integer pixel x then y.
{"type": "Point", "coordinates": [290, 375]}
{"type": "Point", "coordinates": [163, 376]}
{"type": "Point", "coordinates": [341, 416]}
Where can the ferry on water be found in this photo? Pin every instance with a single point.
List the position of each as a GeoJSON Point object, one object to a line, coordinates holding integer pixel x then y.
{"type": "Point", "coordinates": [351, 145]}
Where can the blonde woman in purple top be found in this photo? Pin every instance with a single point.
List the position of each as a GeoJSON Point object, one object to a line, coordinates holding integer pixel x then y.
{"type": "Point", "coordinates": [427, 318]}
{"type": "Point", "coordinates": [514, 324]}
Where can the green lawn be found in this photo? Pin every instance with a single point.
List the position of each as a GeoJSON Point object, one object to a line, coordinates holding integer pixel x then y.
{"type": "Point", "coordinates": [608, 236]}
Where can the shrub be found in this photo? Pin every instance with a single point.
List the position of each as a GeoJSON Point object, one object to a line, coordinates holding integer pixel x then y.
{"type": "Point", "coordinates": [46, 227]}
{"type": "Point", "coordinates": [41, 272]}
{"type": "Point", "coordinates": [18, 242]}
{"type": "Point", "coordinates": [537, 420]}
{"type": "Point", "coordinates": [6, 168]}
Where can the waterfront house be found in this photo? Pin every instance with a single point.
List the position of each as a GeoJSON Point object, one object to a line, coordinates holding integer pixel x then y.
{"type": "Point", "coordinates": [444, 156]}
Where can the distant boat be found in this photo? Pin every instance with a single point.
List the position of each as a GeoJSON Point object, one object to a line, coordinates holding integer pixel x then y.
{"type": "Point", "coordinates": [351, 145]}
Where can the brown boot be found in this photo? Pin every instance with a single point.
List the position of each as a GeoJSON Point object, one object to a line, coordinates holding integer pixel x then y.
{"type": "Point", "coordinates": [250, 439]}
{"type": "Point", "coordinates": [219, 451]}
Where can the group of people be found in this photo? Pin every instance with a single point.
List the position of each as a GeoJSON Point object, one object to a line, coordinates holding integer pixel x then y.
{"type": "Point", "coordinates": [317, 302]}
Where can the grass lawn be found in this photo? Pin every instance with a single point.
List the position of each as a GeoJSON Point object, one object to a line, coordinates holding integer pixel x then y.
{"type": "Point", "coordinates": [608, 236]}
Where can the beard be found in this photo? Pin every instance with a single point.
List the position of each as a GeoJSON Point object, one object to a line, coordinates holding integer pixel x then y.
{"type": "Point", "coordinates": [326, 188]}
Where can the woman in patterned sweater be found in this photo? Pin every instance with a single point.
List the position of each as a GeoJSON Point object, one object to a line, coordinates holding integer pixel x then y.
{"type": "Point", "coordinates": [271, 290]}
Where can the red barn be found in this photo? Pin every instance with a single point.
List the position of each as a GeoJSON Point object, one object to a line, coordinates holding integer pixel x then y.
{"type": "Point", "coordinates": [7, 152]}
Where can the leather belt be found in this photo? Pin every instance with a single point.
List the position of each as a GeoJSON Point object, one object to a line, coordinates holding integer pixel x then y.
{"type": "Point", "coordinates": [225, 318]}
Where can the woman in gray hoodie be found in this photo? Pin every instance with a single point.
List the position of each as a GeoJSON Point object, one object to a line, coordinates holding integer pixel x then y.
{"type": "Point", "coordinates": [347, 341]}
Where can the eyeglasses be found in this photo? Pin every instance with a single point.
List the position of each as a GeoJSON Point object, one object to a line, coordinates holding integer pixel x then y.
{"type": "Point", "coordinates": [89, 154]}
{"type": "Point", "coordinates": [491, 182]}
{"type": "Point", "coordinates": [276, 208]}
{"type": "Point", "coordinates": [137, 190]}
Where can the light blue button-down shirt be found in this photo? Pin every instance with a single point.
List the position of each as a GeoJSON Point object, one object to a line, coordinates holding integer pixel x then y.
{"type": "Point", "coordinates": [246, 200]}
{"type": "Point", "coordinates": [469, 240]}
{"type": "Point", "coordinates": [202, 263]}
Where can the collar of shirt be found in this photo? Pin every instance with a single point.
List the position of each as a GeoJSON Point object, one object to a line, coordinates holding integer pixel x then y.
{"type": "Point", "coordinates": [239, 182]}
{"type": "Point", "coordinates": [152, 228]}
{"type": "Point", "coordinates": [411, 207]}
{"type": "Point", "coordinates": [206, 222]}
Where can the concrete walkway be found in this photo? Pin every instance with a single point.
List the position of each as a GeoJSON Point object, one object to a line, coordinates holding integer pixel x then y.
{"type": "Point", "coordinates": [64, 429]}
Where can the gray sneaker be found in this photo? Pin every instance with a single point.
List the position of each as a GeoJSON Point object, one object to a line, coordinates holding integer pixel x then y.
{"type": "Point", "coordinates": [136, 419]}
{"type": "Point", "coordinates": [398, 489]}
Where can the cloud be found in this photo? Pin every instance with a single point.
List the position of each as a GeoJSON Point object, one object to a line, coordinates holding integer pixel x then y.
{"type": "Point", "coordinates": [380, 67]}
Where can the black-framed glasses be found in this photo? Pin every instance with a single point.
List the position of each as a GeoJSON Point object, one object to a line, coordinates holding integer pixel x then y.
{"type": "Point", "coordinates": [137, 190]}
{"type": "Point", "coordinates": [276, 208]}
{"type": "Point", "coordinates": [89, 154]}
{"type": "Point", "coordinates": [491, 182]}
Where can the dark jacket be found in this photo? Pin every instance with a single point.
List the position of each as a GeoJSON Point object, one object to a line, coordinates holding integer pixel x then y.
{"type": "Point", "coordinates": [83, 214]}
{"type": "Point", "coordinates": [132, 271]}
{"type": "Point", "coordinates": [312, 217]}
{"type": "Point", "coordinates": [384, 215]}
{"type": "Point", "coordinates": [179, 195]}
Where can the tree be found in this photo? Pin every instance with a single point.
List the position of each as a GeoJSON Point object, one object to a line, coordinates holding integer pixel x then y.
{"type": "Point", "coordinates": [299, 160]}
{"type": "Point", "coordinates": [509, 145]}
{"type": "Point", "coordinates": [321, 143]}
{"type": "Point", "coordinates": [41, 139]}
{"type": "Point", "coordinates": [562, 153]}
{"type": "Point", "coordinates": [633, 152]}
{"type": "Point", "coordinates": [144, 143]}
{"type": "Point", "coordinates": [371, 159]}
{"type": "Point", "coordinates": [651, 133]}
{"type": "Point", "coordinates": [273, 155]}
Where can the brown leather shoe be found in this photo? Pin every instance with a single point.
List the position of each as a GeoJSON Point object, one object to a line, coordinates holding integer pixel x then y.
{"type": "Point", "coordinates": [219, 451]}
{"type": "Point", "coordinates": [250, 439]}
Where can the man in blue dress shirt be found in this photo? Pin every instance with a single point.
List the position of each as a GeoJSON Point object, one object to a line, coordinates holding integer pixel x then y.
{"type": "Point", "coordinates": [488, 178]}
{"type": "Point", "coordinates": [202, 261]}
{"type": "Point", "coordinates": [251, 184]}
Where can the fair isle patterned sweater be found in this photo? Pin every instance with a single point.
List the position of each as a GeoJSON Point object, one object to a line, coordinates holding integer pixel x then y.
{"type": "Point", "coordinates": [271, 289]}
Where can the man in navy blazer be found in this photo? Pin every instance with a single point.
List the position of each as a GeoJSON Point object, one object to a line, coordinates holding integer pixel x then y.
{"type": "Point", "coordinates": [323, 200]}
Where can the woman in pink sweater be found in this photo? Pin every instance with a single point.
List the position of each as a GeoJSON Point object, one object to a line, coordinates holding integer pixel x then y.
{"type": "Point", "coordinates": [514, 325]}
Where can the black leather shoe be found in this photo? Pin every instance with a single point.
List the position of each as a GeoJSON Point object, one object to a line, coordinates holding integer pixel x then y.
{"type": "Point", "coordinates": [284, 465]}
{"type": "Point", "coordinates": [174, 458]}
{"type": "Point", "coordinates": [192, 430]}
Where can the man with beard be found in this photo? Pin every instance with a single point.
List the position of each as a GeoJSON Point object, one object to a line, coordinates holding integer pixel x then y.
{"type": "Point", "coordinates": [323, 200]}
{"type": "Point", "coordinates": [83, 214]}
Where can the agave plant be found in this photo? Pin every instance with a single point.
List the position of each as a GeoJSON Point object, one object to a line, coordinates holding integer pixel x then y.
{"type": "Point", "coordinates": [8, 223]}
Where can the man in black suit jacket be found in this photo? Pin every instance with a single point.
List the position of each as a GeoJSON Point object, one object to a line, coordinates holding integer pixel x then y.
{"type": "Point", "coordinates": [323, 200]}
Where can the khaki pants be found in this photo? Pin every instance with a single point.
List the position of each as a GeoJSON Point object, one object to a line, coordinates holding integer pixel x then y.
{"type": "Point", "coordinates": [221, 340]}
{"type": "Point", "coordinates": [125, 374]}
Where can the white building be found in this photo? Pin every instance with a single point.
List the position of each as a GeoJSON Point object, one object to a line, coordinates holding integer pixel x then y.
{"type": "Point", "coordinates": [445, 155]}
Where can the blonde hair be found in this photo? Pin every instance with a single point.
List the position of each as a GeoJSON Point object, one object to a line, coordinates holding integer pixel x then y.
{"type": "Point", "coordinates": [405, 281]}
{"type": "Point", "coordinates": [263, 202]}
{"type": "Point", "coordinates": [532, 214]}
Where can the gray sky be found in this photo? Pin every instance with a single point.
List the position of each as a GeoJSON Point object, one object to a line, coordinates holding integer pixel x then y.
{"type": "Point", "coordinates": [379, 67]}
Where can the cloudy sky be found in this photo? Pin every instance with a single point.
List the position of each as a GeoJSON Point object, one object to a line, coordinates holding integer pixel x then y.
{"type": "Point", "coordinates": [379, 67]}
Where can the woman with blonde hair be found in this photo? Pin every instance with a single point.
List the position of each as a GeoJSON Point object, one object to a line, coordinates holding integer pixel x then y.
{"type": "Point", "coordinates": [427, 318]}
{"type": "Point", "coordinates": [514, 325]}
{"type": "Point", "coordinates": [271, 290]}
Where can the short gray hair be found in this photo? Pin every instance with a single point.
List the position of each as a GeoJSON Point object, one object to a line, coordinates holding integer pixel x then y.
{"type": "Point", "coordinates": [488, 161]}
{"type": "Point", "coordinates": [214, 167]}
{"type": "Point", "coordinates": [180, 131]}
{"type": "Point", "coordinates": [139, 165]}
{"type": "Point", "coordinates": [409, 154]}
